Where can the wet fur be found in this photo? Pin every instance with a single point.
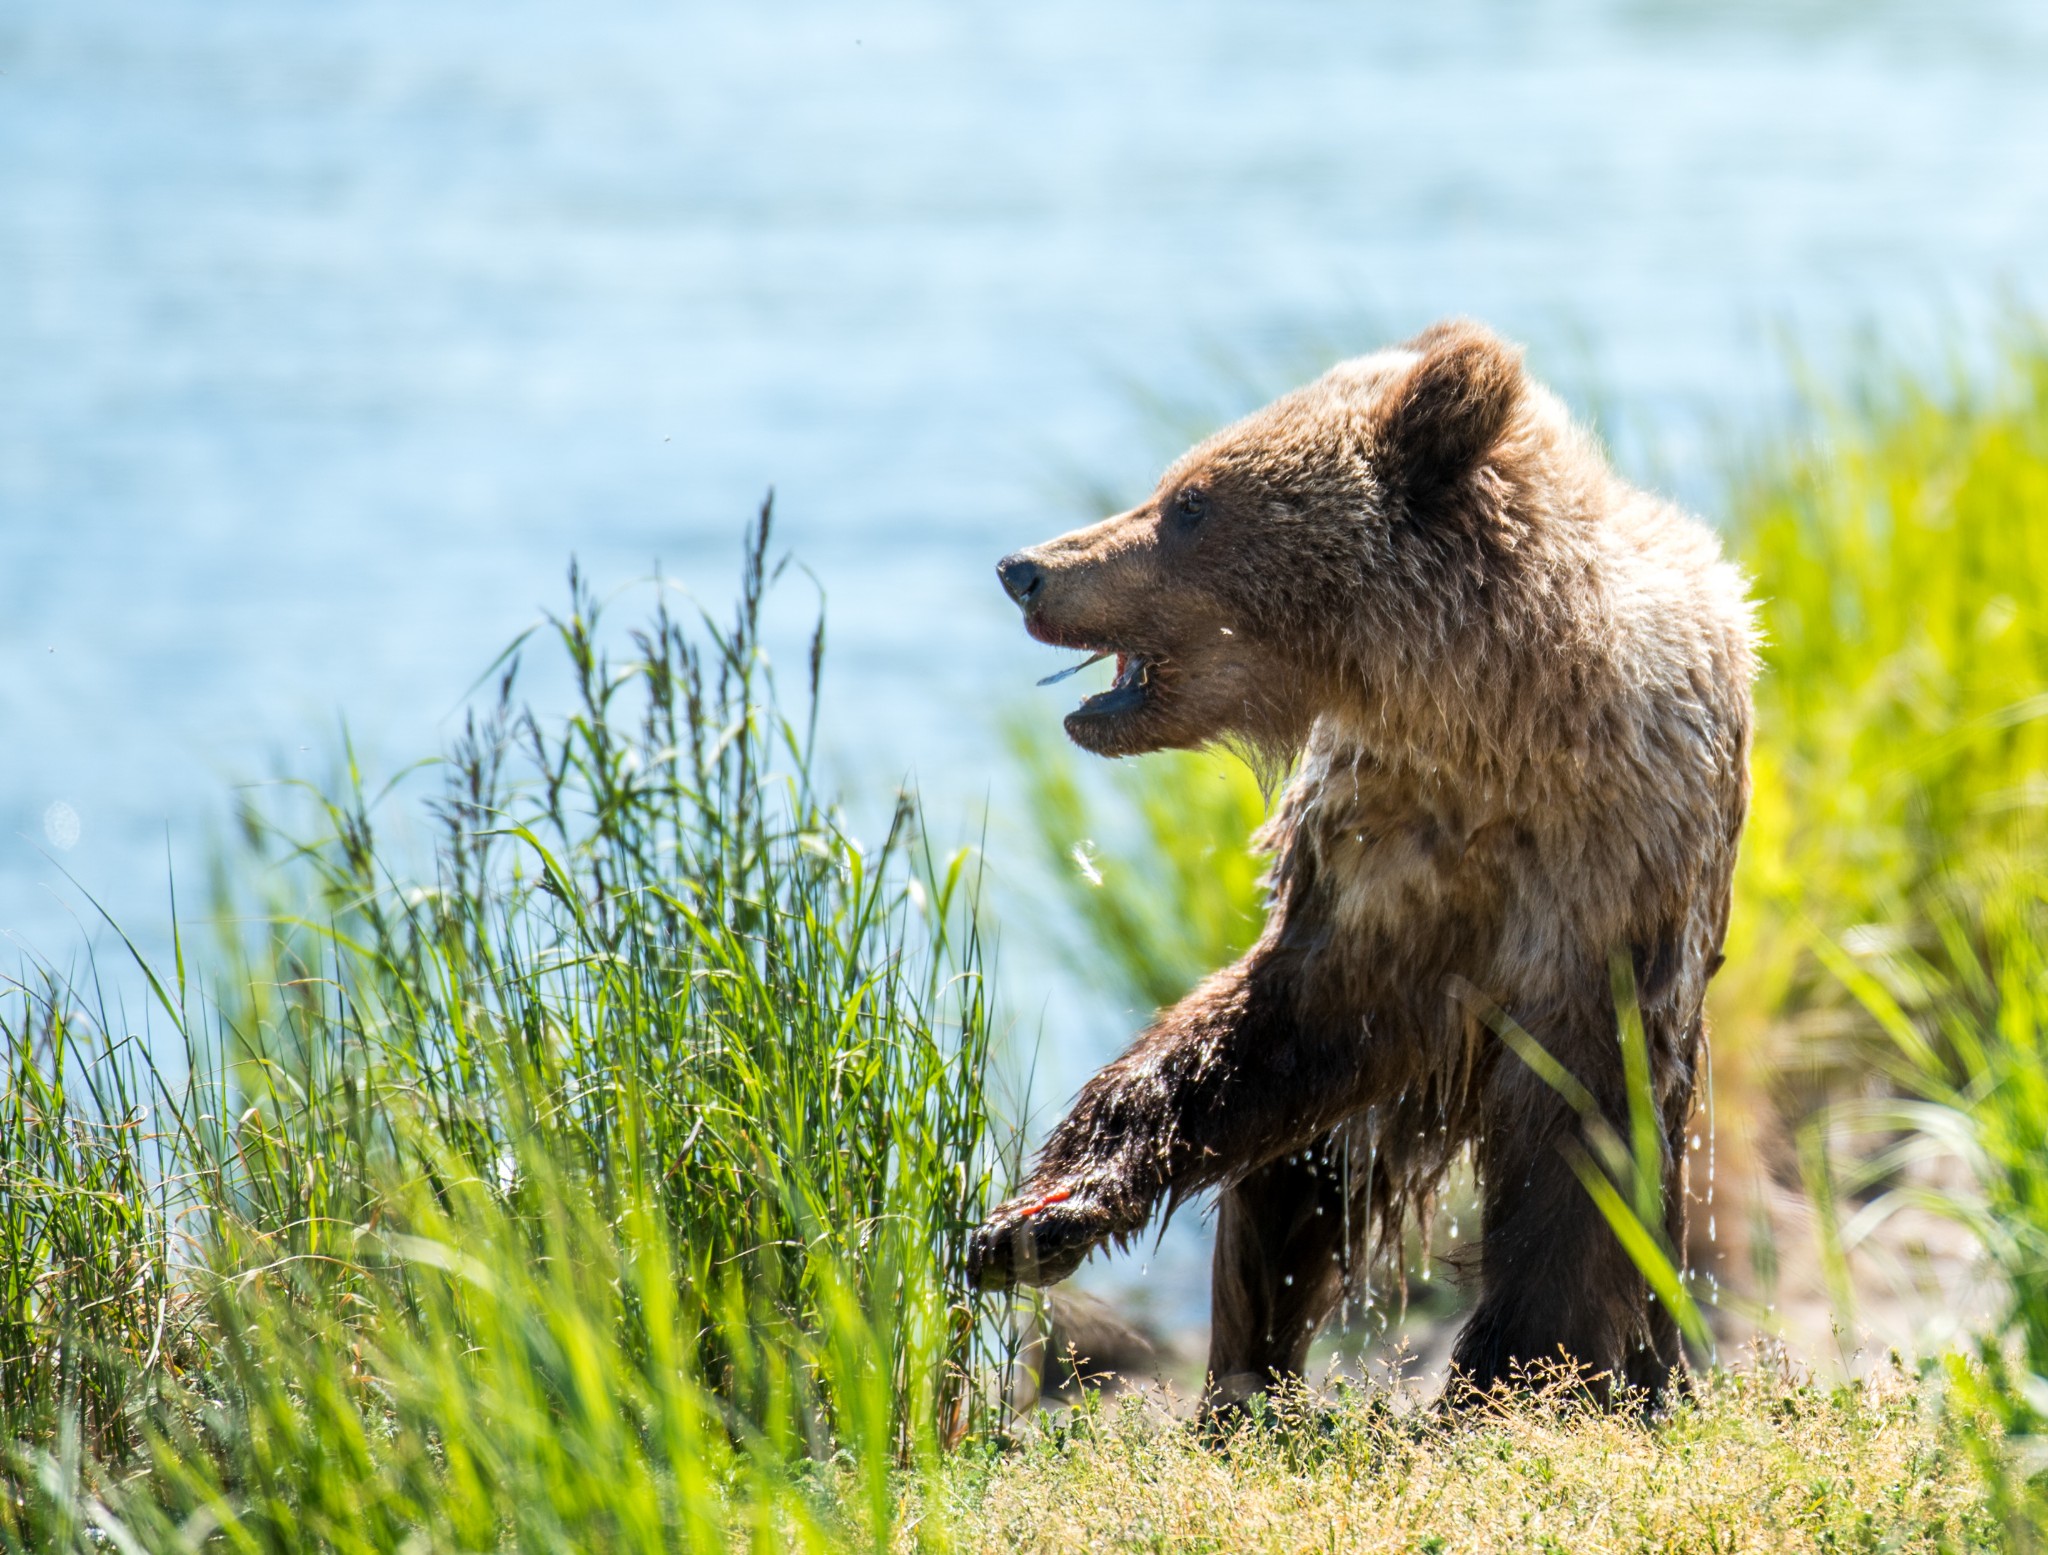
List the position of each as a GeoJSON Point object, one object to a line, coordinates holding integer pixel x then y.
{"type": "Point", "coordinates": [1514, 692]}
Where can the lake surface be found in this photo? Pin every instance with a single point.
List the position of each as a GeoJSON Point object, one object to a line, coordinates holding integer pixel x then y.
{"type": "Point", "coordinates": [328, 333]}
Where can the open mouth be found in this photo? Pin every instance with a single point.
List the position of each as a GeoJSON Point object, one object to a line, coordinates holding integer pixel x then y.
{"type": "Point", "coordinates": [1126, 693]}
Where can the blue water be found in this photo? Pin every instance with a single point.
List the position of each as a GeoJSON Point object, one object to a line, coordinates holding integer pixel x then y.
{"type": "Point", "coordinates": [328, 332]}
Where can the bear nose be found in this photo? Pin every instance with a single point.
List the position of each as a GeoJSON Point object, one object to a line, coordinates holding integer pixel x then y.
{"type": "Point", "coordinates": [1022, 577]}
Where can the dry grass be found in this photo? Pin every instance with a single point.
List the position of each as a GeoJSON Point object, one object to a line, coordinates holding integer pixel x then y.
{"type": "Point", "coordinates": [1756, 1462]}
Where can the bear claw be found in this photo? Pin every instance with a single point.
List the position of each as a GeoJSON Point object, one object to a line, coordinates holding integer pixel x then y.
{"type": "Point", "coordinates": [1038, 1239]}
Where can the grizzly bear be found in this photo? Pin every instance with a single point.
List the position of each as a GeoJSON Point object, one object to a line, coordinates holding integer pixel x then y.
{"type": "Point", "coordinates": [1513, 691]}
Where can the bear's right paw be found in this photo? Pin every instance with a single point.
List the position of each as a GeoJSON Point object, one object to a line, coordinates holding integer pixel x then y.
{"type": "Point", "coordinates": [1036, 1239]}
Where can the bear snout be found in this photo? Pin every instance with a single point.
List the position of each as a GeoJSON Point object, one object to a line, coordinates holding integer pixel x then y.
{"type": "Point", "coordinates": [1021, 577]}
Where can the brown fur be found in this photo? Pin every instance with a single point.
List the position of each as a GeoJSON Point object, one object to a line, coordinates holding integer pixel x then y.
{"type": "Point", "coordinates": [1515, 694]}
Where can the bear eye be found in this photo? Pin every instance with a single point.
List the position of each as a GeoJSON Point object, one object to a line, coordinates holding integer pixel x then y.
{"type": "Point", "coordinates": [1191, 506]}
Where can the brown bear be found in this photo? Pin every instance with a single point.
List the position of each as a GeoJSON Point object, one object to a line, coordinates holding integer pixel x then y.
{"type": "Point", "coordinates": [1514, 693]}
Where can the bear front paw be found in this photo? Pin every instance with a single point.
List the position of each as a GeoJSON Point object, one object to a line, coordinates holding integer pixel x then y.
{"type": "Point", "coordinates": [1036, 1239]}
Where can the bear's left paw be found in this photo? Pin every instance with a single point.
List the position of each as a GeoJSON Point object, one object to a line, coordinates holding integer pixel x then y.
{"type": "Point", "coordinates": [1036, 1239]}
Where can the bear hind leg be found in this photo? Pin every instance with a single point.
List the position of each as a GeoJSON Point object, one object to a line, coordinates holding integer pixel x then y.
{"type": "Point", "coordinates": [1278, 1273]}
{"type": "Point", "coordinates": [1559, 1299]}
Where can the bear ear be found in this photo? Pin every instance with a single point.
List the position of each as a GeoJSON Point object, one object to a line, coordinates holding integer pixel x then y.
{"type": "Point", "coordinates": [1450, 410]}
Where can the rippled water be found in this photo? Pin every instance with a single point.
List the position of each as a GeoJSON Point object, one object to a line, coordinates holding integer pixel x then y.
{"type": "Point", "coordinates": [327, 333]}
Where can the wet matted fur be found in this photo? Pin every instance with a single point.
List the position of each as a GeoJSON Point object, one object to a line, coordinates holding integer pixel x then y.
{"type": "Point", "coordinates": [1513, 692]}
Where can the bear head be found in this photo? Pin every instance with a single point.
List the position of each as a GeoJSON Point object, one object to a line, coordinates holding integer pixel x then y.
{"type": "Point", "coordinates": [1244, 595]}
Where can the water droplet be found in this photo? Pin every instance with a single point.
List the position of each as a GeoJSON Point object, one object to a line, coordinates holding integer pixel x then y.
{"type": "Point", "coordinates": [60, 827]}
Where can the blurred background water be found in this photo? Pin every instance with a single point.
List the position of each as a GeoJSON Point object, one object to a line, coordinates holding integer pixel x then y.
{"type": "Point", "coordinates": [328, 333]}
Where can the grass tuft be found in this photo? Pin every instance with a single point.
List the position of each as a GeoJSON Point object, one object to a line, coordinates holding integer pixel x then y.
{"type": "Point", "coordinates": [646, 1114]}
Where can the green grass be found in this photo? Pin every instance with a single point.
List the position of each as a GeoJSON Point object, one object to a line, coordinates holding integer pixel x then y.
{"type": "Point", "coordinates": [643, 1087]}
{"type": "Point", "coordinates": [1900, 551]}
{"type": "Point", "coordinates": [1967, 1062]}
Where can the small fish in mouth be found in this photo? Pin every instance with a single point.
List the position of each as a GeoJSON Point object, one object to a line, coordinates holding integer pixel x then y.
{"type": "Point", "coordinates": [1074, 669]}
{"type": "Point", "coordinates": [1126, 694]}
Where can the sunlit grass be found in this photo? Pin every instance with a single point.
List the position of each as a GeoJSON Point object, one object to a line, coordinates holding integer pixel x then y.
{"type": "Point", "coordinates": [1966, 1057]}
{"type": "Point", "coordinates": [1754, 1462]}
{"type": "Point", "coordinates": [648, 1087]}
{"type": "Point", "coordinates": [466, 1375]}
{"type": "Point", "coordinates": [1900, 556]}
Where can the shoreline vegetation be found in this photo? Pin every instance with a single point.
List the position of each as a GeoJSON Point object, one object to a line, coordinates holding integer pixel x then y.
{"type": "Point", "coordinates": [598, 1179]}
